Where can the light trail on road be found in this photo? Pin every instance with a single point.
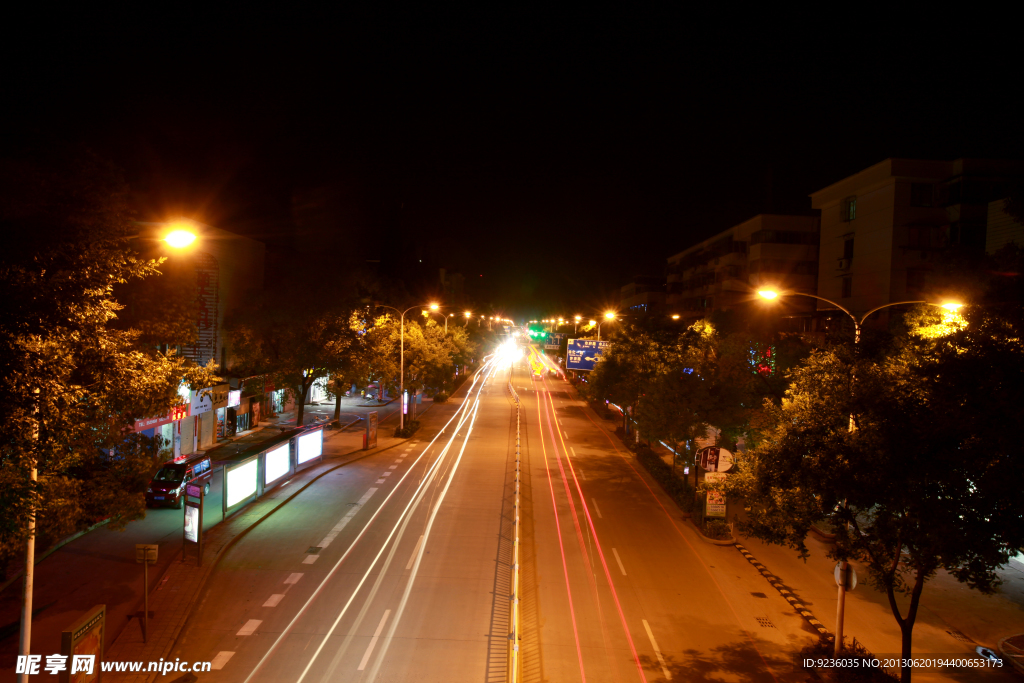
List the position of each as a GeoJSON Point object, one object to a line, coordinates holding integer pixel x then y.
{"type": "Point", "coordinates": [466, 412]}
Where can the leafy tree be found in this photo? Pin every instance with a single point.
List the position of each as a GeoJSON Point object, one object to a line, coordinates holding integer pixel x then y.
{"type": "Point", "coordinates": [292, 339]}
{"type": "Point", "coordinates": [71, 383]}
{"type": "Point", "coordinates": [915, 443]}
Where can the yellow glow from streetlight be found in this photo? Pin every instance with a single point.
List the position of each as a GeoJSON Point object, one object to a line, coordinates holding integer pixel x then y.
{"type": "Point", "coordinates": [467, 314]}
{"type": "Point", "coordinates": [768, 294]}
{"type": "Point", "coordinates": [593, 322]}
{"type": "Point", "coordinates": [179, 239]}
{"type": "Point", "coordinates": [675, 316]}
{"type": "Point", "coordinates": [951, 306]}
{"type": "Point", "coordinates": [578, 318]}
{"type": "Point", "coordinates": [610, 315]}
{"type": "Point", "coordinates": [434, 307]}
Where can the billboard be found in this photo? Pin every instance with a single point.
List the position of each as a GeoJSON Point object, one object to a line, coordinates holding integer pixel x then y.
{"type": "Point", "coordinates": [276, 464]}
{"type": "Point", "coordinates": [82, 647]}
{"type": "Point", "coordinates": [371, 430]}
{"type": "Point", "coordinates": [582, 354]}
{"type": "Point", "coordinates": [240, 482]}
{"type": "Point", "coordinates": [310, 446]}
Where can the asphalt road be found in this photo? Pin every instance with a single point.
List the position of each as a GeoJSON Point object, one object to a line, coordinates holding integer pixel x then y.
{"type": "Point", "coordinates": [393, 568]}
{"type": "Point", "coordinates": [616, 586]}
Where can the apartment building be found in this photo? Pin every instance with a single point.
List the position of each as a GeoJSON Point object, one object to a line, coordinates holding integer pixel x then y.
{"type": "Point", "coordinates": [643, 295]}
{"type": "Point", "coordinates": [725, 271]}
{"type": "Point", "coordinates": [883, 227]}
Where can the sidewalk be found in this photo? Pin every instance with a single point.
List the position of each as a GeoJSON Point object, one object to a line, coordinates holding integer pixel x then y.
{"type": "Point", "coordinates": [183, 582]}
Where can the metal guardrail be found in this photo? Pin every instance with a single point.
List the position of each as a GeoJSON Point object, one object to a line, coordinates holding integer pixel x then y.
{"type": "Point", "coordinates": [513, 614]}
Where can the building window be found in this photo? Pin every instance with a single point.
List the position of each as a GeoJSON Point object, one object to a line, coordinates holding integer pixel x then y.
{"type": "Point", "coordinates": [847, 287]}
{"type": "Point", "coordinates": [848, 248]}
{"type": "Point", "coordinates": [916, 280]}
{"type": "Point", "coordinates": [921, 194]}
{"type": "Point", "coordinates": [848, 209]}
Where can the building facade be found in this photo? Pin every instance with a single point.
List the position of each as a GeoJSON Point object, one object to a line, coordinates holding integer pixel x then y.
{"type": "Point", "coordinates": [725, 271]}
{"type": "Point", "coordinates": [882, 228]}
{"type": "Point", "coordinates": [643, 295]}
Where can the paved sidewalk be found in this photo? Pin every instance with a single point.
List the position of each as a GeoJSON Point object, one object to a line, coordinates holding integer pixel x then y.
{"type": "Point", "coordinates": [182, 584]}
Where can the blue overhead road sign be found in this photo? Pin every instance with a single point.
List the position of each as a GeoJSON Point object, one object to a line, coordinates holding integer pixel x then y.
{"type": "Point", "coordinates": [584, 353]}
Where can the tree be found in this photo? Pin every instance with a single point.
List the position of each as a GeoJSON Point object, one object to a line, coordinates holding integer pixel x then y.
{"type": "Point", "coordinates": [71, 383]}
{"type": "Point", "coordinates": [926, 478]}
{"type": "Point", "coordinates": [293, 340]}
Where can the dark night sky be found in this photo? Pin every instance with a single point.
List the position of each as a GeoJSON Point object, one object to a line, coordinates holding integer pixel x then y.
{"type": "Point", "coordinates": [556, 154]}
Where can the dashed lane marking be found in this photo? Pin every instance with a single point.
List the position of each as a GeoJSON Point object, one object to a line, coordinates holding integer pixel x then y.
{"type": "Point", "coordinates": [373, 641]}
{"type": "Point", "coordinates": [293, 578]}
{"type": "Point", "coordinates": [596, 509]}
{"type": "Point", "coordinates": [380, 481]}
{"type": "Point", "coordinates": [386, 474]}
{"type": "Point", "coordinates": [276, 598]}
{"type": "Point", "coordinates": [310, 559]}
{"type": "Point", "coordinates": [657, 651]}
{"type": "Point", "coordinates": [250, 627]}
{"type": "Point", "coordinates": [220, 659]}
{"type": "Point", "coordinates": [619, 560]}
{"type": "Point", "coordinates": [333, 533]}
{"type": "Point", "coordinates": [414, 551]}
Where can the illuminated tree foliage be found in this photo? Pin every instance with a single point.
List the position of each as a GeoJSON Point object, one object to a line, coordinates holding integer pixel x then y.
{"type": "Point", "coordinates": [71, 384]}
{"type": "Point", "coordinates": [930, 470]}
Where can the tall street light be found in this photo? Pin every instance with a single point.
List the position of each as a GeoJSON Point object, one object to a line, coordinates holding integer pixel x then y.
{"type": "Point", "coordinates": [468, 314]}
{"type": "Point", "coordinates": [771, 295]}
{"type": "Point", "coordinates": [401, 364]}
{"type": "Point", "coordinates": [609, 316]}
{"type": "Point", "coordinates": [576, 324]}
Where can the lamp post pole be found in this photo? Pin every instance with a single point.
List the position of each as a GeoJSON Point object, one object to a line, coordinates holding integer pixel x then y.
{"type": "Point", "coordinates": [401, 361]}
{"type": "Point", "coordinates": [857, 327]}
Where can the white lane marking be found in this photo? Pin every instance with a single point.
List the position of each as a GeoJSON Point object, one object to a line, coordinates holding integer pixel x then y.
{"type": "Point", "coordinates": [573, 452]}
{"type": "Point", "coordinates": [274, 599]}
{"type": "Point", "coordinates": [333, 533]}
{"type": "Point", "coordinates": [220, 659]}
{"type": "Point", "coordinates": [310, 559]}
{"type": "Point", "coordinates": [582, 476]}
{"type": "Point", "coordinates": [373, 641]}
{"type": "Point", "coordinates": [250, 627]}
{"type": "Point", "coordinates": [661, 660]}
{"type": "Point", "coordinates": [617, 559]}
{"type": "Point", "coordinates": [393, 467]}
{"type": "Point", "coordinates": [414, 551]}
{"type": "Point", "coordinates": [379, 481]}
{"type": "Point", "coordinates": [566, 433]}
{"type": "Point", "coordinates": [386, 474]}
{"type": "Point", "coordinates": [596, 509]}
{"type": "Point", "coordinates": [293, 578]}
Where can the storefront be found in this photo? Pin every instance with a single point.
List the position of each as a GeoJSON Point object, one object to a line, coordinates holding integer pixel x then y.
{"type": "Point", "coordinates": [168, 427]}
{"type": "Point", "coordinates": [226, 415]}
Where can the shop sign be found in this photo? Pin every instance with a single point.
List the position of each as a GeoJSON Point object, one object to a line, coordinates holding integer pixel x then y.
{"type": "Point", "coordinates": [176, 413]}
{"type": "Point", "coordinates": [202, 401]}
{"type": "Point", "coordinates": [234, 398]}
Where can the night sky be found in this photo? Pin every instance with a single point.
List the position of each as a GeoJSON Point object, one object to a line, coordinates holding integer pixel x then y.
{"type": "Point", "coordinates": [555, 154]}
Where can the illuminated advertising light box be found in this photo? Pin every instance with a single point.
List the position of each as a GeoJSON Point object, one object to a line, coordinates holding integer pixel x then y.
{"type": "Point", "coordinates": [241, 482]}
{"type": "Point", "coordinates": [311, 446]}
{"type": "Point", "coordinates": [276, 464]}
{"type": "Point", "coordinates": [192, 524]}
{"type": "Point", "coordinates": [234, 398]}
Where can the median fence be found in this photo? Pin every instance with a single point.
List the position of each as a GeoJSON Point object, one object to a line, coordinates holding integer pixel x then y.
{"type": "Point", "coordinates": [248, 479]}
{"type": "Point", "coordinates": [513, 613]}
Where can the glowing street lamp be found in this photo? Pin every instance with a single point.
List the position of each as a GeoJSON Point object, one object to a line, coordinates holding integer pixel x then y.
{"type": "Point", "coordinates": [179, 239]}
{"type": "Point", "coordinates": [608, 317]}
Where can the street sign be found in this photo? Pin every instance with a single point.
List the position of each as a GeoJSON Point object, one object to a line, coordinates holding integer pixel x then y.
{"type": "Point", "coordinates": [851, 578]}
{"type": "Point", "coordinates": [583, 354]}
{"type": "Point", "coordinates": [370, 438]}
{"type": "Point", "coordinates": [715, 506]}
{"type": "Point", "coordinates": [554, 341]}
{"type": "Point", "coordinates": [715, 477]}
{"type": "Point", "coordinates": [715, 459]}
{"type": "Point", "coordinates": [145, 552]}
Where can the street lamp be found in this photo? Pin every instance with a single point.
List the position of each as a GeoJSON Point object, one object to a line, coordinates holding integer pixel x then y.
{"type": "Point", "coordinates": [179, 239]}
{"type": "Point", "coordinates": [467, 318]}
{"type": "Point", "coordinates": [576, 324]}
{"type": "Point", "coordinates": [771, 295]}
{"type": "Point", "coordinates": [608, 317]}
{"type": "Point", "coordinates": [401, 364]}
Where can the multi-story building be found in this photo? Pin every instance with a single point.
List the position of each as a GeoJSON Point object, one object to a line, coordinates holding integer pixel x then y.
{"type": "Point", "coordinates": [643, 295]}
{"type": "Point", "coordinates": [724, 271]}
{"type": "Point", "coordinates": [882, 228]}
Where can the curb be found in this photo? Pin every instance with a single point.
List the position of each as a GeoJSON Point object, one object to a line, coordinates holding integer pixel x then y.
{"type": "Point", "coordinates": [786, 593]}
{"type": "Point", "coordinates": [1011, 653]}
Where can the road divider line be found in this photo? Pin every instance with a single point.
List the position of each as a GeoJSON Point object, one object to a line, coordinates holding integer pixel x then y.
{"type": "Point", "coordinates": [274, 599]}
{"type": "Point", "coordinates": [293, 578]}
{"type": "Point", "coordinates": [619, 560]}
{"type": "Point", "coordinates": [310, 559]}
{"type": "Point", "coordinates": [373, 641]}
{"type": "Point", "coordinates": [661, 660]}
{"type": "Point", "coordinates": [346, 518]}
{"type": "Point", "coordinates": [414, 551]}
{"type": "Point", "coordinates": [220, 659]}
{"type": "Point", "coordinates": [573, 452]}
{"type": "Point", "coordinates": [596, 509]}
{"type": "Point", "coordinates": [250, 627]}
{"type": "Point", "coordinates": [379, 481]}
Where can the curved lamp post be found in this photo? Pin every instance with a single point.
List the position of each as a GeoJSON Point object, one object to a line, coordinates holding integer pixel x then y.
{"type": "Point", "coordinates": [771, 295]}
{"type": "Point", "coordinates": [401, 363]}
{"type": "Point", "coordinates": [609, 316]}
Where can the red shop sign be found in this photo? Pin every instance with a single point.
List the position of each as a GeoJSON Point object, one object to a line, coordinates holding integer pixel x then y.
{"type": "Point", "coordinates": [176, 413]}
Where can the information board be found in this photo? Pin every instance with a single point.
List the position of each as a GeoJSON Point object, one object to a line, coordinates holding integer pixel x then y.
{"type": "Point", "coordinates": [554, 341]}
{"type": "Point", "coordinates": [583, 354]}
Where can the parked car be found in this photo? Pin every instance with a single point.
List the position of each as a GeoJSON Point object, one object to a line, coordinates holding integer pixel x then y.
{"type": "Point", "coordinates": [168, 485]}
